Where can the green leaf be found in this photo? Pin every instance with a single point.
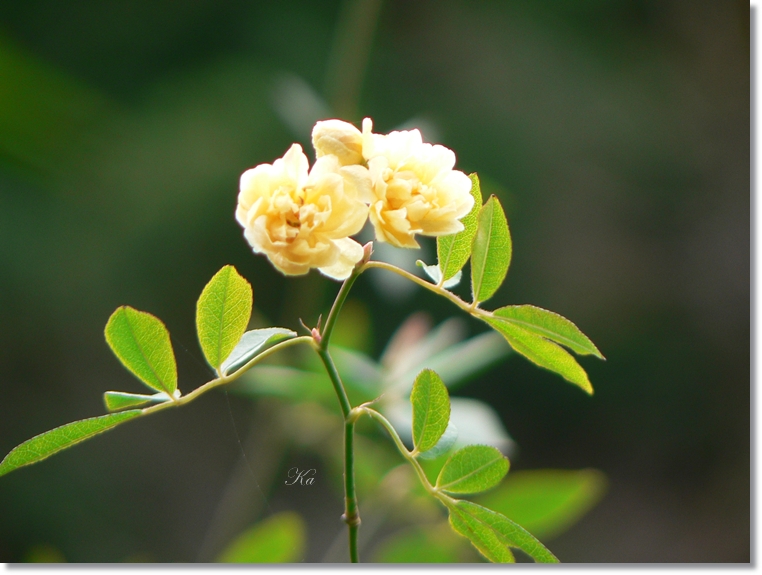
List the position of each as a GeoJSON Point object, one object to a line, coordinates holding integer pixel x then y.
{"type": "Point", "coordinates": [453, 251]}
{"type": "Point", "coordinates": [472, 469]}
{"type": "Point", "coordinates": [549, 325]}
{"type": "Point", "coordinates": [436, 275]}
{"type": "Point", "coordinates": [541, 352]}
{"type": "Point", "coordinates": [445, 443]}
{"type": "Point", "coordinates": [141, 342]}
{"type": "Point", "coordinates": [119, 400]}
{"type": "Point", "coordinates": [546, 501]}
{"type": "Point", "coordinates": [278, 539]}
{"type": "Point", "coordinates": [222, 314]}
{"type": "Point", "coordinates": [491, 252]}
{"type": "Point", "coordinates": [60, 438]}
{"type": "Point", "coordinates": [482, 536]}
{"type": "Point", "coordinates": [251, 344]}
{"type": "Point", "coordinates": [431, 410]}
{"type": "Point", "coordinates": [492, 533]}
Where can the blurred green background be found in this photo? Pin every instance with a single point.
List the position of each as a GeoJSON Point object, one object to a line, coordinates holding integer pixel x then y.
{"type": "Point", "coordinates": [615, 132]}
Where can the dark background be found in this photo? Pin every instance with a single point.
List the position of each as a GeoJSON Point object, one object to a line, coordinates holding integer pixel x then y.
{"type": "Point", "coordinates": [615, 132]}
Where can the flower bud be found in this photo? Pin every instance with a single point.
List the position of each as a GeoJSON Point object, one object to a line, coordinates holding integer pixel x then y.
{"type": "Point", "coordinates": [339, 138]}
{"type": "Point", "coordinates": [367, 251]}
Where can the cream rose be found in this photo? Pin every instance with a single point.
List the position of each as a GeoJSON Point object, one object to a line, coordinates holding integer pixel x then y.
{"type": "Point", "coordinates": [302, 219]}
{"type": "Point", "coordinates": [415, 189]}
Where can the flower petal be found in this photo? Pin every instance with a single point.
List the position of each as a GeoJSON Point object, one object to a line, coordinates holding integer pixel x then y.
{"type": "Point", "coordinates": [350, 253]}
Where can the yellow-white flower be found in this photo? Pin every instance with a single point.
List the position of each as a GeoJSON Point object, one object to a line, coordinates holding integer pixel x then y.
{"type": "Point", "coordinates": [302, 219]}
{"type": "Point", "coordinates": [338, 138]}
{"type": "Point", "coordinates": [415, 189]}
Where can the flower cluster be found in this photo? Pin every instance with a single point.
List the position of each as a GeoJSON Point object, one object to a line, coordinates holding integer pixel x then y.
{"type": "Point", "coordinates": [302, 218]}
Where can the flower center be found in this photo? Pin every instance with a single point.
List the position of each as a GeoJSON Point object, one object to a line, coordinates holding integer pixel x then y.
{"type": "Point", "coordinates": [293, 220]}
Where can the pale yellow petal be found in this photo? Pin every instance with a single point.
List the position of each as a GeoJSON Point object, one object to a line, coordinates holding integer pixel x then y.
{"type": "Point", "coordinates": [296, 217]}
{"type": "Point", "coordinates": [415, 188]}
{"type": "Point", "coordinates": [349, 254]}
{"type": "Point", "coordinates": [357, 183]}
{"type": "Point", "coordinates": [340, 139]}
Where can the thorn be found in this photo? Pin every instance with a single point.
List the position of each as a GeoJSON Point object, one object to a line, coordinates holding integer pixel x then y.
{"type": "Point", "coordinates": [315, 331]}
{"type": "Point", "coordinates": [372, 401]}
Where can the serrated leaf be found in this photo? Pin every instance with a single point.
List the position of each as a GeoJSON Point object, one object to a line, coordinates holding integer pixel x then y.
{"type": "Point", "coordinates": [435, 274]}
{"type": "Point", "coordinates": [491, 251]}
{"type": "Point", "coordinates": [546, 501]}
{"type": "Point", "coordinates": [549, 325]}
{"type": "Point", "coordinates": [542, 352]}
{"type": "Point", "coordinates": [472, 469]}
{"type": "Point", "coordinates": [141, 342]}
{"type": "Point", "coordinates": [445, 443]}
{"type": "Point", "coordinates": [492, 534]}
{"type": "Point", "coordinates": [222, 314]}
{"type": "Point", "coordinates": [278, 539]}
{"type": "Point", "coordinates": [251, 344]}
{"type": "Point", "coordinates": [431, 410]}
{"type": "Point", "coordinates": [119, 400]}
{"type": "Point", "coordinates": [453, 251]}
{"type": "Point", "coordinates": [482, 536]}
{"type": "Point", "coordinates": [60, 438]}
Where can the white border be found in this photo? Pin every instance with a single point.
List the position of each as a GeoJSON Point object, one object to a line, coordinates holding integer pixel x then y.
{"type": "Point", "coordinates": [756, 407]}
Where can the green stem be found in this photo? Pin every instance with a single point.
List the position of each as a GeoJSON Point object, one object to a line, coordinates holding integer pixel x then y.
{"type": "Point", "coordinates": [228, 378]}
{"type": "Point", "coordinates": [351, 509]}
{"type": "Point", "coordinates": [338, 303]}
{"type": "Point", "coordinates": [352, 513]}
{"type": "Point", "coordinates": [437, 289]}
{"type": "Point", "coordinates": [403, 450]}
{"type": "Point", "coordinates": [445, 499]}
{"type": "Point", "coordinates": [335, 378]}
